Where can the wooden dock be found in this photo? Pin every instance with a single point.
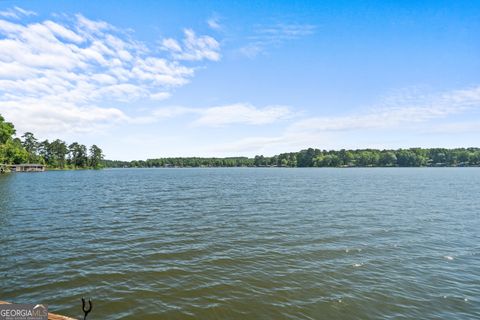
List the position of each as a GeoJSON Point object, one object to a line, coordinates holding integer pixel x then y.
{"type": "Point", "coordinates": [27, 167]}
{"type": "Point", "coordinates": [51, 316]}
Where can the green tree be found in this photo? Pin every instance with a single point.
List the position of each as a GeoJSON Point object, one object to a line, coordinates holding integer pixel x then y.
{"type": "Point", "coordinates": [408, 158]}
{"type": "Point", "coordinates": [96, 156]}
{"type": "Point", "coordinates": [11, 149]}
{"type": "Point", "coordinates": [388, 159]}
{"type": "Point", "coordinates": [12, 152]}
{"type": "Point", "coordinates": [29, 149]}
{"type": "Point", "coordinates": [7, 130]}
{"type": "Point", "coordinates": [367, 158]}
{"type": "Point", "coordinates": [58, 150]}
{"type": "Point", "coordinates": [474, 158]}
{"type": "Point", "coordinates": [259, 161]}
{"type": "Point", "coordinates": [45, 151]}
{"type": "Point", "coordinates": [31, 144]}
{"type": "Point", "coordinates": [463, 156]}
{"type": "Point", "coordinates": [78, 155]}
{"type": "Point", "coordinates": [305, 158]}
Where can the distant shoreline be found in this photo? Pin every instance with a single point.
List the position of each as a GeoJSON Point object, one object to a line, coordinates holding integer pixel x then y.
{"type": "Point", "coordinates": [203, 167]}
{"type": "Point", "coordinates": [362, 158]}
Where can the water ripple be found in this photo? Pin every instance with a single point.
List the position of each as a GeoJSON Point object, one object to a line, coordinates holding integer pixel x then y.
{"type": "Point", "coordinates": [244, 243]}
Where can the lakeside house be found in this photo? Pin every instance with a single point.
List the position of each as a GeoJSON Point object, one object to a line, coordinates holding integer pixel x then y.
{"type": "Point", "coordinates": [27, 167]}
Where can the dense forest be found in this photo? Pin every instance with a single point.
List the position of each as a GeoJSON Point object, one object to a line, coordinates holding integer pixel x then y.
{"type": "Point", "coordinates": [55, 155]}
{"type": "Point", "coordinates": [414, 157]}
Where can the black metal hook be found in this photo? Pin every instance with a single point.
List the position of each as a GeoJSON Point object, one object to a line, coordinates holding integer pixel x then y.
{"type": "Point", "coordinates": [86, 312]}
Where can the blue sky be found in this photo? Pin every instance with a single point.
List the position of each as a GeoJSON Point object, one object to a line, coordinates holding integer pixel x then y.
{"type": "Point", "coordinates": [222, 78]}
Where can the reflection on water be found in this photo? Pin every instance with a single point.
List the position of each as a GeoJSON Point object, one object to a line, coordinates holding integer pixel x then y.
{"type": "Point", "coordinates": [244, 243]}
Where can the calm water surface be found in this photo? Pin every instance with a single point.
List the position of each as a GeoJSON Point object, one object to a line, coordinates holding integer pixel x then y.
{"type": "Point", "coordinates": [244, 243]}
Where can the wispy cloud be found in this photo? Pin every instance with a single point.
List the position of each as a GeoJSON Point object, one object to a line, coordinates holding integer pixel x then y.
{"type": "Point", "coordinates": [242, 114]}
{"type": "Point", "coordinates": [171, 112]}
{"type": "Point", "coordinates": [193, 47]}
{"type": "Point", "coordinates": [57, 74]}
{"type": "Point", "coordinates": [218, 116]}
{"type": "Point", "coordinates": [274, 35]}
{"type": "Point", "coordinates": [282, 32]}
{"type": "Point", "coordinates": [404, 112]}
{"type": "Point", "coordinates": [398, 109]}
{"type": "Point", "coordinates": [214, 23]}
{"type": "Point", "coordinates": [16, 13]}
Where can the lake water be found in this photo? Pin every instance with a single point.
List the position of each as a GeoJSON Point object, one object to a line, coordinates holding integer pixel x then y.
{"type": "Point", "coordinates": [244, 243]}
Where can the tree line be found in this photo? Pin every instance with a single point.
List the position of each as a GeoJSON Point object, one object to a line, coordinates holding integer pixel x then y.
{"type": "Point", "coordinates": [59, 154]}
{"type": "Point", "coordinates": [56, 154]}
{"type": "Point", "coordinates": [413, 157]}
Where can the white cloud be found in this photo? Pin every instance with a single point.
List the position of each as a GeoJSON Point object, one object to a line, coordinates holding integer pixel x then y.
{"type": "Point", "coordinates": [214, 23]}
{"type": "Point", "coordinates": [59, 30]}
{"type": "Point", "coordinates": [397, 110]}
{"type": "Point", "coordinates": [16, 13]}
{"type": "Point", "coordinates": [160, 95]}
{"type": "Point", "coordinates": [251, 50]}
{"type": "Point", "coordinates": [413, 116]}
{"type": "Point", "coordinates": [239, 113]}
{"type": "Point", "coordinates": [45, 117]}
{"type": "Point", "coordinates": [85, 24]}
{"type": "Point", "coordinates": [247, 145]}
{"type": "Point", "coordinates": [171, 45]}
{"type": "Point", "coordinates": [193, 47]}
{"type": "Point", "coordinates": [62, 74]}
{"type": "Point", "coordinates": [171, 112]}
{"type": "Point", "coordinates": [282, 31]}
{"type": "Point", "coordinates": [274, 35]}
{"type": "Point", "coordinates": [453, 128]}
